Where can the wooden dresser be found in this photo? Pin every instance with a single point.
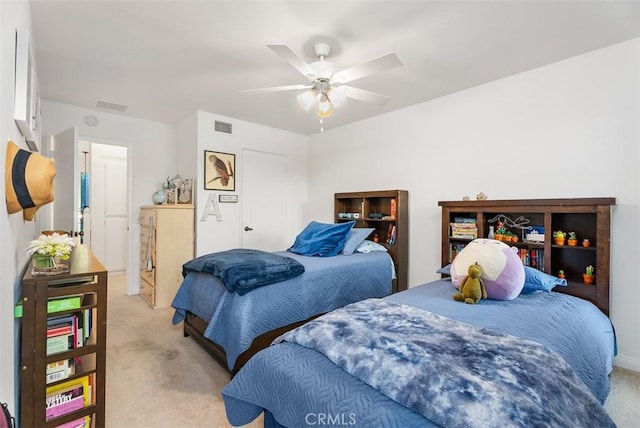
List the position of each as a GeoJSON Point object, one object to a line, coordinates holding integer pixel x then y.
{"type": "Point", "coordinates": [166, 243]}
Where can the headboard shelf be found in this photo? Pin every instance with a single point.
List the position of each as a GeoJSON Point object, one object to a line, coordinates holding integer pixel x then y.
{"type": "Point", "coordinates": [387, 212]}
{"type": "Point", "coordinates": [588, 218]}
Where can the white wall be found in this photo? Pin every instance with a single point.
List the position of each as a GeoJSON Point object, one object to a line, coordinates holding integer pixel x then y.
{"type": "Point", "coordinates": [151, 156]}
{"type": "Point", "coordinates": [15, 233]}
{"type": "Point", "coordinates": [212, 235]}
{"type": "Point", "coordinates": [570, 129]}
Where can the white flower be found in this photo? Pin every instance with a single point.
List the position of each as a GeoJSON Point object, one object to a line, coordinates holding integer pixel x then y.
{"type": "Point", "coordinates": [52, 245]}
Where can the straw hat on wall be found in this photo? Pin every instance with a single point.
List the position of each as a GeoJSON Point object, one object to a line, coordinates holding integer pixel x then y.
{"type": "Point", "coordinates": [28, 180]}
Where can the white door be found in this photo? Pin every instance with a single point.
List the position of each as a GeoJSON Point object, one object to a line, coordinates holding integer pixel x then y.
{"type": "Point", "coordinates": [264, 194]}
{"type": "Point", "coordinates": [66, 185]}
{"type": "Point", "coordinates": [109, 205]}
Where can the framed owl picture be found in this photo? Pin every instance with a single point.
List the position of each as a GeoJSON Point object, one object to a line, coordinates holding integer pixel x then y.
{"type": "Point", "coordinates": [219, 171]}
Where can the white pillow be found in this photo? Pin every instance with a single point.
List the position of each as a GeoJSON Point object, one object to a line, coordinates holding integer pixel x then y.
{"type": "Point", "coordinates": [369, 246]}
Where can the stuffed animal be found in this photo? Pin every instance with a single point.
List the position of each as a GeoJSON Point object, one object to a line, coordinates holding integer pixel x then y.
{"type": "Point", "coordinates": [502, 269]}
{"type": "Point", "coordinates": [472, 289]}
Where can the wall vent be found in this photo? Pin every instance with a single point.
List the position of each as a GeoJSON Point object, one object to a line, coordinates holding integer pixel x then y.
{"type": "Point", "coordinates": [111, 106]}
{"type": "Point", "coordinates": [223, 127]}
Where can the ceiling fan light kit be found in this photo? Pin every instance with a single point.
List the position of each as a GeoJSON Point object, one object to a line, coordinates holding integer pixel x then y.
{"type": "Point", "coordinates": [327, 90]}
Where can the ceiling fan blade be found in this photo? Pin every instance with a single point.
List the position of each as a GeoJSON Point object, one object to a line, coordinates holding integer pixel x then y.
{"type": "Point", "coordinates": [385, 62]}
{"type": "Point", "coordinates": [293, 59]}
{"type": "Point", "coordinates": [277, 89]}
{"type": "Point", "coordinates": [366, 96]}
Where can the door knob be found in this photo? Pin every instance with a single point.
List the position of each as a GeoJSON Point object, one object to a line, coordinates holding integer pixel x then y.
{"type": "Point", "coordinates": [247, 228]}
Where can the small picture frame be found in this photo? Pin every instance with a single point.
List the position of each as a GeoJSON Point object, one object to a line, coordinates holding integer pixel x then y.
{"type": "Point", "coordinates": [219, 171]}
{"type": "Point", "coordinates": [228, 199]}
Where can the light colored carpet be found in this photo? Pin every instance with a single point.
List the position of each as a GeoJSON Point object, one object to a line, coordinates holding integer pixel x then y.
{"type": "Point", "coordinates": [155, 376]}
{"type": "Point", "coordinates": [158, 378]}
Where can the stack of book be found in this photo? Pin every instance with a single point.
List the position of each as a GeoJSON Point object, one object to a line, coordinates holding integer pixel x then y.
{"type": "Point", "coordinates": [532, 257]}
{"type": "Point", "coordinates": [66, 397]}
{"type": "Point", "coordinates": [65, 332]}
{"type": "Point", "coordinates": [391, 234]}
{"type": "Point", "coordinates": [454, 250]}
{"type": "Point", "coordinates": [464, 228]}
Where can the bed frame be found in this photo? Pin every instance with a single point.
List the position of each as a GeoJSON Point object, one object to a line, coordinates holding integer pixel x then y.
{"type": "Point", "coordinates": [195, 327]}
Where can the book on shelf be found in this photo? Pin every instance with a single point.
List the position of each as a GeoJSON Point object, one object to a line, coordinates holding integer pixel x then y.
{"type": "Point", "coordinates": [78, 324]}
{"type": "Point", "coordinates": [60, 320]}
{"type": "Point", "coordinates": [66, 397]}
{"type": "Point", "coordinates": [454, 250]}
{"type": "Point", "coordinates": [464, 220]}
{"type": "Point", "coordinates": [63, 402]}
{"type": "Point", "coordinates": [60, 370]}
{"type": "Point", "coordinates": [532, 257]}
{"type": "Point", "coordinates": [60, 343]}
{"type": "Point", "coordinates": [59, 330]}
{"type": "Point", "coordinates": [393, 208]}
{"type": "Point", "coordinates": [392, 239]}
{"type": "Point", "coordinates": [53, 305]}
{"type": "Point", "coordinates": [389, 230]}
{"type": "Point", "coordinates": [64, 304]}
{"type": "Point", "coordinates": [464, 230]}
{"type": "Point", "coordinates": [84, 422]}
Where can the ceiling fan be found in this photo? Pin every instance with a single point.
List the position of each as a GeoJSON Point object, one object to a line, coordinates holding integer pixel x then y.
{"type": "Point", "coordinates": [326, 87]}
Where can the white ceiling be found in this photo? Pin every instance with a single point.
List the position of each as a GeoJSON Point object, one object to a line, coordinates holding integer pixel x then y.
{"type": "Point", "coordinates": [167, 59]}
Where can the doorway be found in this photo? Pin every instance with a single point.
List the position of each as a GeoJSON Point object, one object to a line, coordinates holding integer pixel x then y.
{"type": "Point", "coordinates": [104, 219]}
{"type": "Point", "coordinates": [107, 214]}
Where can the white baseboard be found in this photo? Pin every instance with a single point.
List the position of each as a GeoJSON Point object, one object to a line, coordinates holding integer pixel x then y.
{"type": "Point", "coordinates": [628, 363]}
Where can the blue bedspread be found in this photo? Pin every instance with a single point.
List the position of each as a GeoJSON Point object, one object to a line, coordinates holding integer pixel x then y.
{"type": "Point", "coordinates": [327, 283]}
{"type": "Point", "coordinates": [242, 269]}
{"type": "Point", "coordinates": [298, 385]}
{"type": "Point", "coordinates": [455, 374]}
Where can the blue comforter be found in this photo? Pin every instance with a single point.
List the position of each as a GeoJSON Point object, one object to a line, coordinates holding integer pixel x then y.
{"type": "Point", "coordinates": [455, 374]}
{"type": "Point", "coordinates": [234, 321]}
{"type": "Point", "coordinates": [242, 269]}
{"type": "Point", "coordinates": [298, 385]}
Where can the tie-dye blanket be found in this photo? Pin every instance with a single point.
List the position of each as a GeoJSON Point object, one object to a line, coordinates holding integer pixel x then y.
{"type": "Point", "coordinates": [455, 374]}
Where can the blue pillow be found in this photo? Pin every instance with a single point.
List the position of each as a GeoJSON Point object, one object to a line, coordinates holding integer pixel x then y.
{"type": "Point", "coordinates": [322, 239]}
{"type": "Point", "coordinates": [445, 270]}
{"type": "Point", "coordinates": [356, 236]}
{"type": "Point", "coordinates": [535, 280]}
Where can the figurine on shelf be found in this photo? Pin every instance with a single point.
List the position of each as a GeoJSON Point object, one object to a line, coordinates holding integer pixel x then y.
{"type": "Point", "coordinates": [559, 237]}
{"type": "Point", "coordinates": [589, 275]}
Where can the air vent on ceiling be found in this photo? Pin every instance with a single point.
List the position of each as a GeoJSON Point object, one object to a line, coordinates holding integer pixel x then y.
{"type": "Point", "coordinates": [223, 127]}
{"type": "Point", "coordinates": [111, 106]}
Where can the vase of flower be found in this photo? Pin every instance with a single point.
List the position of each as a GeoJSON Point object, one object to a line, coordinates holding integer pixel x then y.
{"type": "Point", "coordinates": [50, 254]}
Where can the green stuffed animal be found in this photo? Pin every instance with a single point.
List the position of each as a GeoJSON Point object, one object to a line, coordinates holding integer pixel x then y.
{"type": "Point", "coordinates": [472, 289]}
